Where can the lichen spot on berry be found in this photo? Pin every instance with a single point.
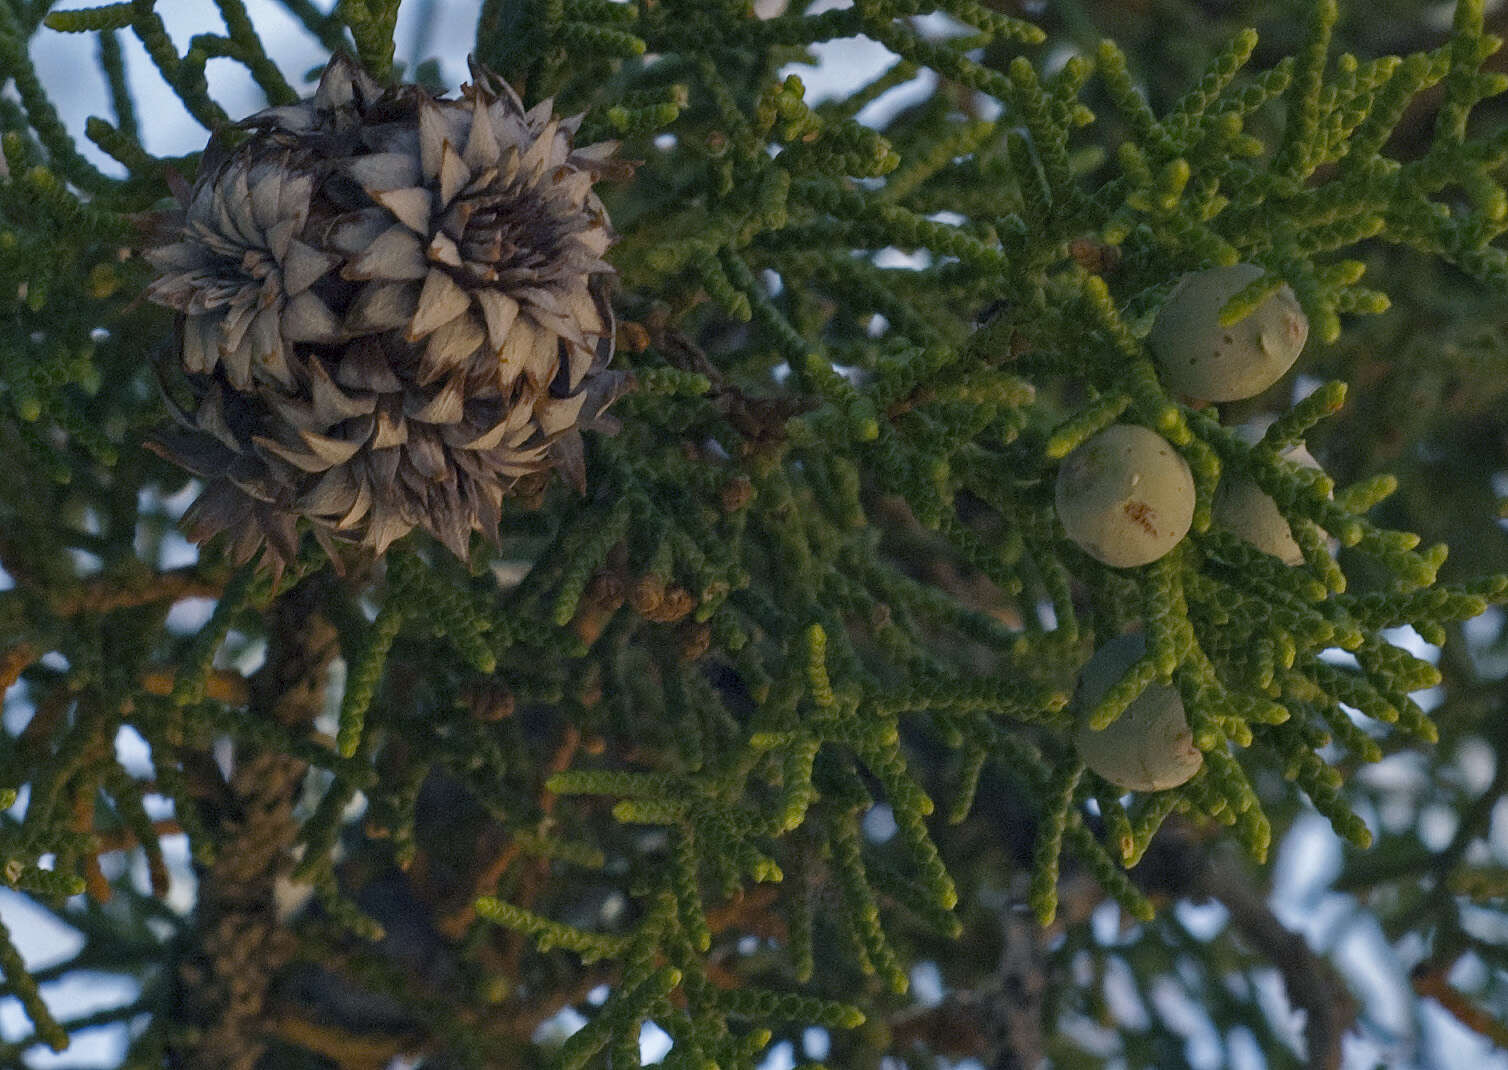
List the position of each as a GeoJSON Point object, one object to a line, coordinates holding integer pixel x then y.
{"type": "Point", "coordinates": [1142, 514]}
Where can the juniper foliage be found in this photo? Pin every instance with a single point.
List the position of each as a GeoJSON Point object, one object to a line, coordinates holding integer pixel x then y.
{"type": "Point", "coordinates": [816, 574]}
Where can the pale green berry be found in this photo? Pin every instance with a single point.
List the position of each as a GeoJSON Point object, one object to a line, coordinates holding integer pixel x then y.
{"type": "Point", "coordinates": [1199, 357]}
{"type": "Point", "coordinates": [1125, 497]}
{"type": "Point", "coordinates": [1149, 747]}
{"type": "Point", "coordinates": [1247, 511]}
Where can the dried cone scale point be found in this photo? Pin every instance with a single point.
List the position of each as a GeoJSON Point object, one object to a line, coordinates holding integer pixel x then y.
{"type": "Point", "coordinates": [393, 308]}
{"type": "Point", "coordinates": [646, 593]}
{"type": "Point", "coordinates": [1149, 747]}
{"type": "Point", "coordinates": [488, 700]}
{"type": "Point", "coordinates": [676, 603]}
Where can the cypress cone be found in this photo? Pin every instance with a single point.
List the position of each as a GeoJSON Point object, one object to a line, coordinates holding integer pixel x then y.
{"type": "Point", "coordinates": [392, 307]}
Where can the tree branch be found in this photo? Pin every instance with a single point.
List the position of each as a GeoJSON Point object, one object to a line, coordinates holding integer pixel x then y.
{"type": "Point", "coordinates": [1181, 865]}
{"type": "Point", "coordinates": [240, 944]}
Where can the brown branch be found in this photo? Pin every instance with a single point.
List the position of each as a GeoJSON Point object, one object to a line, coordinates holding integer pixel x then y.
{"type": "Point", "coordinates": [1311, 982]}
{"type": "Point", "coordinates": [957, 1028]}
{"type": "Point", "coordinates": [748, 911]}
{"type": "Point", "coordinates": [123, 839]}
{"type": "Point", "coordinates": [95, 884]}
{"type": "Point", "coordinates": [999, 1023]}
{"type": "Point", "coordinates": [220, 1017]}
{"type": "Point", "coordinates": [351, 1051]}
{"type": "Point", "coordinates": [456, 922]}
{"type": "Point", "coordinates": [107, 592]}
{"type": "Point", "coordinates": [221, 685]}
{"type": "Point", "coordinates": [1431, 982]}
{"type": "Point", "coordinates": [520, 1024]}
{"type": "Point", "coordinates": [101, 594]}
{"type": "Point", "coordinates": [1179, 864]}
{"type": "Point", "coordinates": [13, 662]}
{"type": "Point", "coordinates": [1023, 981]}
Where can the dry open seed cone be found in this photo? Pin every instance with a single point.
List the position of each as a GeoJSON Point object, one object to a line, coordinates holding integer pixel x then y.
{"type": "Point", "coordinates": [391, 307]}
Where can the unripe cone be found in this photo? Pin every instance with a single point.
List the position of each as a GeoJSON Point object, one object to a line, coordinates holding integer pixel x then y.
{"type": "Point", "coordinates": [1149, 747]}
{"type": "Point", "coordinates": [1198, 356]}
{"type": "Point", "coordinates": [1125, 496]}
{"type": "Point", "coordinates": [1246, 510]}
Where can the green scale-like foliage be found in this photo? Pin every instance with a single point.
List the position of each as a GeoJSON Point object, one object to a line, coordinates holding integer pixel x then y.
{"type": "Point", "coordinates": [818, 569]}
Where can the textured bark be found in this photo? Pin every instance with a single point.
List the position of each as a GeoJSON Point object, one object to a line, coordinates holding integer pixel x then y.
{"type": "Point", "coordinates": [240, 944]}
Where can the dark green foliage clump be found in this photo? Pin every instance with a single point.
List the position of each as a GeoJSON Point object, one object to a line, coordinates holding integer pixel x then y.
{"type": "Point", "coordinates": [817, 578]}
